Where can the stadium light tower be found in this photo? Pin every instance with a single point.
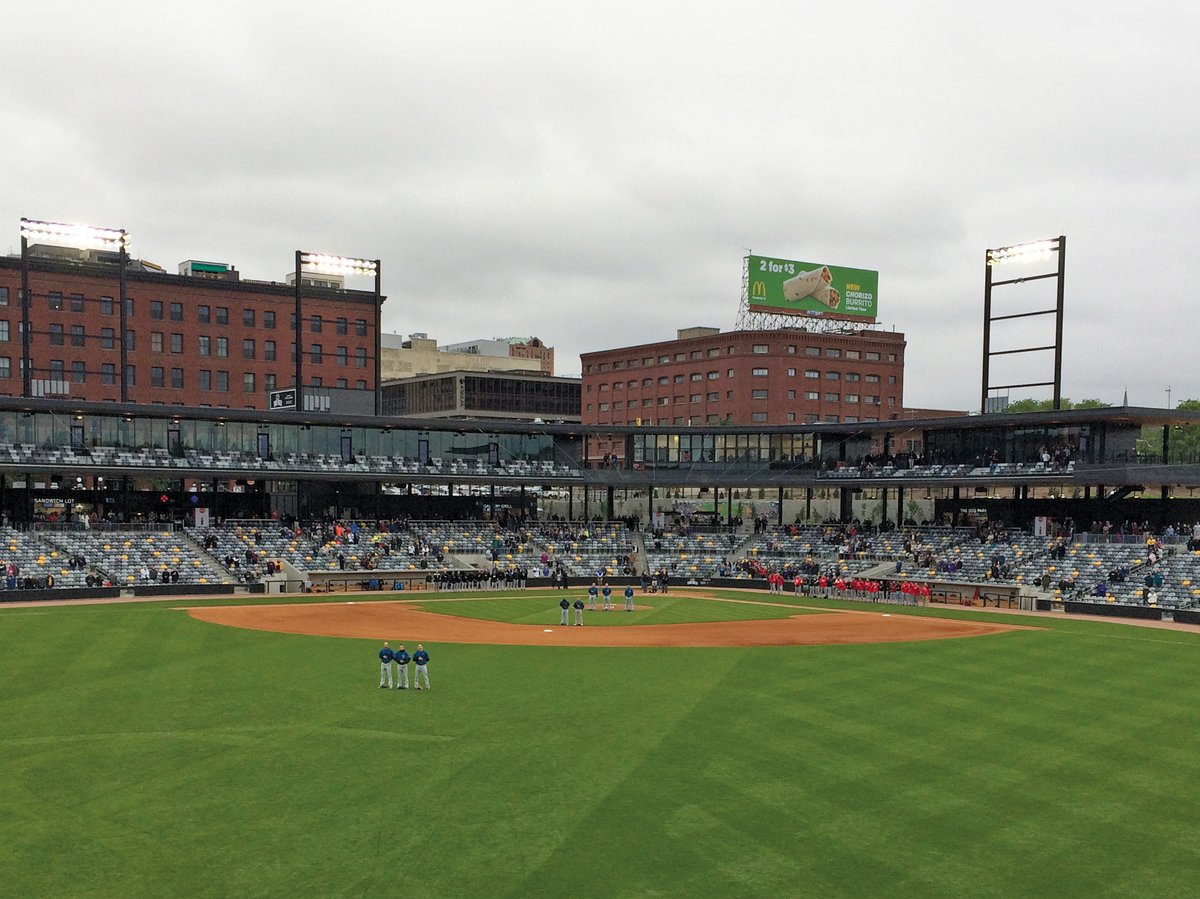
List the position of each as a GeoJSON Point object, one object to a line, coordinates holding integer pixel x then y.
{"type": "Point", "coordinates": [334, 265]}
{"type": "Point", "coordinates": [1033, 251]}
{"type": "Point", "coordinates": [83, 237]}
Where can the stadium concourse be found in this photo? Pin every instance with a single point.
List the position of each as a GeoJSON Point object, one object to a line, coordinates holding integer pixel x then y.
{"type": "Point", "coordinates": [106, 499]}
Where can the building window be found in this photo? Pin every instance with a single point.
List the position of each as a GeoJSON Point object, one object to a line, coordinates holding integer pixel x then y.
{"type": "Point", "coordinates": [851, 419]}
{"type": "Point", "coordinates": [851, 397]}
{"type": "Point", "coordinates": [812, 351]}
{"type": "Point", "coordinates": [176, 343]}
{"type": "Point", "coordinates": [205, 345]}
{"type": "Point", "coordinates": [647, 382]}
{"type": "Point", "coordinates": [758, 416]}
{"type": "Point", "coordinates": [812, 374]}
{"type": "Point", "coordinates": [249, 349]}
{"type": "Point", "coordinates": [791, 372]}
{"type": "Point", "coordinates": [3, 296]}
{"type": "Point", "coordinates": [758, 394]}
{"type": "Point", "coordinates": [831, 418]}
{"type": "Point", "coordinates": [603, 388]}
{"type": "Point", "coordinates": [222, 315]}
{"type": "Point", "coordinates": [108, 374]}
{"type": "Point", "coordinates": [791, 394]}
{"type": "Point", "coordinates": [791, 416]}
{"type": "Point", "coordinates": [891, 357]}
{"type": "Point", "coordinates": [872, 401]}
{"type": "Point", "coordinates": [315, 353]}
{"type": "Point", "coordinates": [203, 314]}
{"type": "Point", "coordinates": [791, 349]}
{"type": "Point", "coordinates": [156, 310]}
{"type": "Point", "coordinates": [343, 356]}
{"type": "Point", "coordinates": [729, 372]}
{"type": "Point", "coordinates": [360, 358]}
{"type": "Point", "coordinates": [891, 401]}
{"type": "Point", "coordinates": [222, 347]}
{"type": "Point", "coordinates": [56, 302]}
{"type": "Point", "coordinates": [872, 357]}
{"type": "Point", "coordinates": [77, 337]}
{"type": "Point", "coordinates": [696, 397]}
{"type": "Point", "coordinates": [343, 326]}
{"type": "Point", "coordinates": [56, 335]}
{"type": "Point", "coordinates": [757, 372]}
{"type": "Point", "coordinates": [107, 306]}
{"type": "Point", "coordinates": [678, 379]}
{"type": "Point", "coordinates": [831, 397]}
{"type": "Point", "coordinates": [664, 381]}
{"type": "Point", "coordinates": [852, 376]}
{"type": "Point", "coordinates": [248, 318]}
{"type": "Point", "coordinates": [78, 372]}
{"type": "Point", "coordinates": [342, 384]}
{"type": "Point", "coordinates": [76, 302]}
{"type": "Point", "coordinates": [269, 350]}
{"type": "Point", "coordinates": [713, 397]}
{"type": "Point", "coordinates": [5, 366]}
{"type": "Point", "coordinates": [604, 407]}
{"type": "Point", "coordinates": [248, 382]}
{"type": "Point", "coordinates": [315, 324]}
{"type": "Point", "coordinates": [871, 379]}
{"type": "Point", "coordinates": [205, 379]}
{"type": "Point", "coordinates": [131, 375]}
{"type": "Point", "coordinates": [156, 342]}
{"type": "Point", "coordinates": [4, 332]}
{"type": "Point", "coordinates": [177, 312]}
{"type": "Point", "coordinates": [833, 376]}
{"type": "Point", "coordinates": [269, 380]}
{"type": "Point", "coordinates": [891, 379]}
{"type": "Point", "coordinates": [832, 353]}
{"type": "Point", "coordinates": [360, 327]}
{"type": "Point", "coordinates": [156, 376]}
{"type": "Point", "coordinates": [853, 354]}
{"type": "Point", "coordinates": [292, 322]}
{"type": "Point", "coordinates": [316, 382]}
{"type": "Point", "coordinates": [761, 349]}
{"type": "Point", "coordinates": [222, 382]}
{"type": "Point", "coordinates": [269, 321]}
{"type": "Point", "coordinates": [57, 370]}
{"type": "Point", "coordinates": [811, 395]}
{"type": "Point", "coordinates": [177, 378]}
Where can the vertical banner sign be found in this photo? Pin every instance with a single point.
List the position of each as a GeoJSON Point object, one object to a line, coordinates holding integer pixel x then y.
{"type": "Point", "coordinates": [790, 287]}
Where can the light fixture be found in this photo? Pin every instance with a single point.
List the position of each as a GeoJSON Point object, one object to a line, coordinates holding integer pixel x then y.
{"type": "Point", "coordinates": [1023, 252]}
{"type": "Point", "coordinates": [63, 234]}
{"type": "Point", "coordinates": [338, 265]}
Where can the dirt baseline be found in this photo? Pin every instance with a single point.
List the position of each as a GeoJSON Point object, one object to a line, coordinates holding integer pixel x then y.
{"type": "Point", "coordinates": [398, 621]}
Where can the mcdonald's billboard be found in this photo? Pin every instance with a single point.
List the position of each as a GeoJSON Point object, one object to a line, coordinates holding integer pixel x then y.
{"type": "Point", "coordinates": [810, 288]}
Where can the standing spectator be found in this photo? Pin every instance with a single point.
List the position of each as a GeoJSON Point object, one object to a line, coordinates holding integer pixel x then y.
{"type": "Point", "coordinates": [421, 660]}
{"type": "Point", "coordinates": [385, 667]}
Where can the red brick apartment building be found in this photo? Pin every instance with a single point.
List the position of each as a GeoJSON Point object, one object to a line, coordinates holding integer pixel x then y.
{"type": "Point", "coordinates": [202, 338]}
{"type": "Point", "coordinates": [780, 377]}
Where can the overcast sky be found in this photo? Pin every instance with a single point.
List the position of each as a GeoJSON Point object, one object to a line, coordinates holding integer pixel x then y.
{"type": "Point", "coordinates": [593, 173]}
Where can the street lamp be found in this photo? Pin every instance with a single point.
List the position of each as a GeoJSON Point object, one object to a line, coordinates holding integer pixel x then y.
{"type": "Point", "coordinates": [335, 265]}
{"type": "Point", "coordinates": [1032, 251]}
{"type": "Point", "coordinates": [84, 237]}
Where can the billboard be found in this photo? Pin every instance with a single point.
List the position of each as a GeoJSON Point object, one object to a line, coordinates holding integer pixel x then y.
{"type": "Point", "coordinates": [811, 288]}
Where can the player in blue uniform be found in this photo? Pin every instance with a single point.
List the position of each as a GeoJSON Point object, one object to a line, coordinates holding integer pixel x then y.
{"type": "Point", "coordinates": [565, 605]}
{"type": "Point", "coordinates": [402, 658]}
{"type": "Point", "coordinates": [421, 660]}
{"type": "Point", "coordinates": [385, 667]}
{"type": "Point", "coordinates": [579, 612]}
{"type": "Point", "coordinates": [607, 591]}
{"type": "Point", "coordinates": [629, 599]}
{"type": "Point", "coordinates": [593, 592]}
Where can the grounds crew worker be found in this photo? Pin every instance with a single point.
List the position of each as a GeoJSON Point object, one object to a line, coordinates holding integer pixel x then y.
{"type": "Point", "coordinates": [402, 658]}
{"type": "Point", "coordinates": [421, 660]}
{"type": "Point", "coordinates": [385, 667]}
{"type": "Point", "coordinates": [565, 605]}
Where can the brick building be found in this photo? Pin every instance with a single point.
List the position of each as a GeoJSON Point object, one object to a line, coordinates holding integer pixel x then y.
{"type": "Point", "coordinates": [201, 338]}
{"type": "Point", "coordinates": [779, 377]}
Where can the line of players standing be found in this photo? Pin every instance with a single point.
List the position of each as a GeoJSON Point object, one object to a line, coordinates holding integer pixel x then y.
{"type": "Point", "coordinates": [595, 591]}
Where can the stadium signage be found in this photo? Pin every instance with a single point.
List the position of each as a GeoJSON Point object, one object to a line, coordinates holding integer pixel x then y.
{"type": "Point", "coordinates": [791, 287]}
{"type": "Point", "coordinates": [282, 399]}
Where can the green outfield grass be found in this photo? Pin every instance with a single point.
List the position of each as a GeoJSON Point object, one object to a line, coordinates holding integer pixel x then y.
{"type": "Point", "coordinates": [147, 754]}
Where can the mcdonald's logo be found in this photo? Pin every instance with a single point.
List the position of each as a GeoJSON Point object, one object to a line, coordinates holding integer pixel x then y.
{"type": "Point", "coordinates": [758, 289]}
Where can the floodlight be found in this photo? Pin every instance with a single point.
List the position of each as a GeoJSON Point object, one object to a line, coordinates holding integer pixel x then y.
{"type": "Point", "coordinates": [1023, 252]}
{"type": "Point", "coordinates": [62, 234]}
{"type": "Point", "coordinates": [338, 265]}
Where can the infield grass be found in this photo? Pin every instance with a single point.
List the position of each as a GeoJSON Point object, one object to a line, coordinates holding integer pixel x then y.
{"type": "Point", "coordinates": [148, 754]}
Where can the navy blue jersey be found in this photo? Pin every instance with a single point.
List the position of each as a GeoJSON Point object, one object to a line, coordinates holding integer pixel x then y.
{"type": "Point", "coordinates": [385, 654]}
{"type": "Point", "coordinates": [564, 603]}
{"type": "Point", "coordinates": [629, 593]}
{"type": "Point", "coordinates": [402, 657]}
{"type": "Point", "coordinates": [421, 657]}
{"type": "Point", "coordinates": [579, 603]}
{"type": "Point", "coordinates": [607, 590]}
{"type": "Point", "coordinates": [592, 590]}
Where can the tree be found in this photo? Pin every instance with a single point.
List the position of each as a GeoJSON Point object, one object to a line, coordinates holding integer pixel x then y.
{"type": "Point", "coordinates": [1029, 405]}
